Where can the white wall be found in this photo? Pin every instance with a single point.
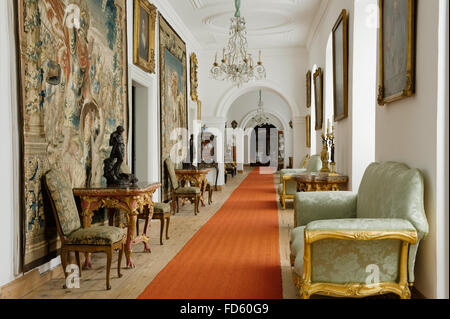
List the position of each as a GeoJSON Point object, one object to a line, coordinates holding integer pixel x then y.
{"type": "Point", "coordinates": [9, 189]}
{"type": "Point", "coordinates": [8, 162]}
{"type": "Point", "coordinates": [279, 112]}
{"type": "Point", "coordinates": [406, 131]}
{"type": "Point", "coordinates": [317, 49]}
{"type": "Point", "coordinates": [286, 69]}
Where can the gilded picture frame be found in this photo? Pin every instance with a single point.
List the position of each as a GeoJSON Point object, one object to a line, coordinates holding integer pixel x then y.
{"type": "Point", "coordinates": [308, 89]}
{"type": "Point", "coordinates": [318, 94]}
{"type": "Point", "coordinates": [144, 35]}
{"type": "Point", "coordinates": [173, 95]}
{"type": "Point", "coordinates": [308, 131]}
{"type": "Point", "coordinates": [397, 47]}
{"type": "Point", "coordinates": [194, 76]}
{"type": "Point", "coordinates": [340, 67]}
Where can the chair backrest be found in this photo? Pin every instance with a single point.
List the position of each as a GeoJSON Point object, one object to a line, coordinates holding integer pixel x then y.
{"type": "Point", "coordinates": [314, 164]}
{"type": "Point", "coordinates": [305, 161]}
{"type": "Point", "coordinates": [63, 202]}
{"type": "Point", "coordinates": [172, 175]}
{"type": "Point", "coordinates": [393, 190]}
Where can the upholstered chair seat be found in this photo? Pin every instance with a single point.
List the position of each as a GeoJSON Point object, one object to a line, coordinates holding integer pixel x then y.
{"type": "Point", "coordinates": [161, 208]}
{"type": "Point", "coordinates": [341, 238]}
{"type": "Point", "coordinates": [96, 235]}
{"type": "Point", "coordinates": [288, 187]}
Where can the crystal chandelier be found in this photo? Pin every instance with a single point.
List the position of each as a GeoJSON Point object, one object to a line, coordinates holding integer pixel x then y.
{"type": "Point", "coordinates": [237, 64]}
{"type": "Point", "coordinates": [260, 118]}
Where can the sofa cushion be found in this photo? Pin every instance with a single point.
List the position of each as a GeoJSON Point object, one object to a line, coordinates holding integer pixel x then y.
{"type": "Point", "coordinates": [96, 235]}
{"type": "Point", "coordinates": [62, 196]}
{"type": "Point", "coordinates": [392, 190]}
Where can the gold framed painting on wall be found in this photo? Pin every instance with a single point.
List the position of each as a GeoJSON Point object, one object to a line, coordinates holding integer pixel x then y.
{"type": "Point", "coordinates": [340, 67]}
{"type": "Point", "coordinates": [308, 131]}
{"type": "Point", "coordinates": [194, 76]}
{"type": "Point", "coordinates": [308, 89]}
{"type": "Point", "coordinates": [397, 50]}
{"type": "Point", "coordinates": [144, 35]}
{"type": "Point", "coordinates": [318, 95]}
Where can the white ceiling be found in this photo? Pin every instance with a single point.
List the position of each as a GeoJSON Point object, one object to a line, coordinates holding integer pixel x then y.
{"type": "Point", "coordinates": [270, 23]}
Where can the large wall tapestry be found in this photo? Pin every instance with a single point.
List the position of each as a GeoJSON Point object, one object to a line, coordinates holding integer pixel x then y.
{"type": "Point", "coordinates": [73, 67]}
{"type": "Point", "coordinates": [173, 90]}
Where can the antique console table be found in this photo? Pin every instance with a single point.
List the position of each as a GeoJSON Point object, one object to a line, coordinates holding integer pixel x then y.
{"type": "Point", "coordinates": [196, 177]}
{"type": "Point", "coordinates": [320, 182]}
{"type": "Point", "coordinates": [130, 199]}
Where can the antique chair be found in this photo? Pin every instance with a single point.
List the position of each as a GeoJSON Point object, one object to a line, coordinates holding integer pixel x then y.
{"type": "Point", "coordinates": [288, 188]}
{"type": "Point", "coordinates": [230, 169]}
{"type": "Point", "coordinates": [73, 237]}
{"type": "Point", "coordinates": [360, 244]}
{"type": "Point", "coordinates": [190, 193]}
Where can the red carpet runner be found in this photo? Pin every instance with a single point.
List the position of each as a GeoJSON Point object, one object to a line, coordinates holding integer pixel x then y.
{"type": "Point", "coordinates": [235, 255]}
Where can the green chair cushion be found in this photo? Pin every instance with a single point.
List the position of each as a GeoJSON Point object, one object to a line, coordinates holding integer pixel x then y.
{"type": "Point", "coordinates": [187, 190]}
{"type": "Point", "coordinates": [361, 224]}
{"type": "Point", "coordinates": [96, 235]}
{"type": "Point", "coordinates": [62, 196]}
{"type": "Point", "coordinates": [161, 208]}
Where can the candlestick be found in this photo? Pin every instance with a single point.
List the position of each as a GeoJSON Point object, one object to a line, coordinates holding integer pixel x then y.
{"type": "Point", "coordinates": [223, 54]}
{"type": "Point", "coordinates": [215, 59]}
{"type": "Point", "coordinates": [259, 55]}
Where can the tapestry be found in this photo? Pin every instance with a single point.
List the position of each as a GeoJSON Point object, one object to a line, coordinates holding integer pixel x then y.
{"type": "Point", "coordinates": [173, 90]}
{"type": "Point", "coordinates": [73, 94]}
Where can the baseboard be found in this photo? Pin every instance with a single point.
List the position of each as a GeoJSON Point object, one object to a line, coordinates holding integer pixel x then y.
{"type": "Point", "coordinates": [21, 286]}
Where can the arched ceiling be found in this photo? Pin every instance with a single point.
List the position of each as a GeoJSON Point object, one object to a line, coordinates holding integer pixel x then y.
{"type": "Point", "coordinates": [270, 23]}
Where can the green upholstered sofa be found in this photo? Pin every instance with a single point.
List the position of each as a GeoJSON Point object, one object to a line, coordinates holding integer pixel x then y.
{"type": "Point", "coordinates": [288, 187]}
{"type": "Point", "coordinates": [360, 244]}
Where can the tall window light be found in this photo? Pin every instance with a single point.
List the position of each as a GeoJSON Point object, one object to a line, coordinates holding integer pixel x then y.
{"type": "Point", "coordinates": [329, 89]}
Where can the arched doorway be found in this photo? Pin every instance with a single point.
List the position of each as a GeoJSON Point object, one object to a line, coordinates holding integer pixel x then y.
{"type": "Point", "coordinates": [264, 145]}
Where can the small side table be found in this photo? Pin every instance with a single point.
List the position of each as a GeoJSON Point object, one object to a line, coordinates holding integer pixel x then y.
{"type": "Point", "coordinates": [318, 182]}
{"type": "Point", "coordinates": [195, 176]}
{"type": "Point", "coordinates": [130, 199]}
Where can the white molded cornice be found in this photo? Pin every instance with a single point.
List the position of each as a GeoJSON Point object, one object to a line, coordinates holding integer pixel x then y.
{"type": "Point", "coordinates": [175, 21]}
{"type": "Point", "coordinates": [316, 22]}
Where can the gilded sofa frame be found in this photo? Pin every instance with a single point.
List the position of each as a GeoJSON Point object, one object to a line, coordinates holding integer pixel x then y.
{"type": "Point", "coordinates": [357, 290]}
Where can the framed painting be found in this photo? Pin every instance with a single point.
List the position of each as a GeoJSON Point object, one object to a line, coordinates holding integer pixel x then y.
{"type": "Point", "coordinates": [72, 96]}
{"type": "Point", "coordinates": [340, 67]}
{"type": "Point", "coordinates": [397, 50]}
{"type": "Point", "coordinates": [318, 95]}
{"type": "Point", "coordinates": [144, 35]}
{"type": "Point", "coordinates": [308, 89]}
{"type": "Point", "coordinates": [194, 76]}
{"type": "Point", "coordinates": [173, 95]}
{"type": "Point", "coordinates": [308, 131]}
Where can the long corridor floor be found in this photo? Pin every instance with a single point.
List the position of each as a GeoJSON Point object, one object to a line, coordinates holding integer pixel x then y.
{"type": "Point", "coordinates": [235, 255]}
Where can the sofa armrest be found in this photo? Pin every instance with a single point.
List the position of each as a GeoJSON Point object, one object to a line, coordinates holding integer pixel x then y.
{"type": "Point", "coordinates": [309, 207]}
{"type": "Point", "coordinates": [361, 229]}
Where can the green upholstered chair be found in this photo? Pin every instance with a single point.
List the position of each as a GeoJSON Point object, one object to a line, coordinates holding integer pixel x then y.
{"type": "Point", "coordinates": [191, 193]}
{"type": "Point", "coordinates": [73, 237]}
{"type": "Point", "coordinates": [288, 188]}
{"type": "Point", "coordinates": [360, 244]}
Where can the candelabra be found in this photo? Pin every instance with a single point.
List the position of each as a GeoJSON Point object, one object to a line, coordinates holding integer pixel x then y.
{"type": "Point", "coordinates": [333, 164]}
